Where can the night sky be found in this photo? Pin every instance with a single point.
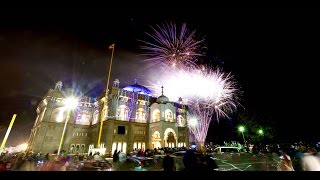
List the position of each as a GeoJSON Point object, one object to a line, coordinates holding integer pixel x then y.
{"type": "Point", "coordinates": [271, 52]}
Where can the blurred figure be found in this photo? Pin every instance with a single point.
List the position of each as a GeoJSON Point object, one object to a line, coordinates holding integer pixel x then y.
{"type": "Point", "coordinates": [122, 157]}
{"type": "Point", "coordinates": [97, 157]}
{"type": "Point", "coordinates": [168, 162]}
{"type": "Point", "coordinates": [285, 163]}
{"type": "Point", "coordinates": [299, 150]}
{"type": "Point", "coordinates": [65, 163]}
{"type": "Point", "coordinates": [2, 166]}
{"type": "Point", "coordinates": [310, 162]}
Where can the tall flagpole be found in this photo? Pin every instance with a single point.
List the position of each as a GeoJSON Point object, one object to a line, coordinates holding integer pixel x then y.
{"type": "Point", "coordinates": [105, 104]}
{"type": "Point", "coordinates": [8, 131]}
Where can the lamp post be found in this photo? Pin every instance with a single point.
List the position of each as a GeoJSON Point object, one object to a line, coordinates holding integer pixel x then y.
{"type": "Point", "coordinates": [260, 132]}
{"type": "Point", "coordinates": [105, 104]}
{"type": "Point", "coordinates": [70, 104]}
{"type": "Point", "coordinates": [241, 129]}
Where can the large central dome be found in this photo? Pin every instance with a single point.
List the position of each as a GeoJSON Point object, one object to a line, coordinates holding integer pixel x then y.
{"type": "Point", "coordinates": [138, 89]}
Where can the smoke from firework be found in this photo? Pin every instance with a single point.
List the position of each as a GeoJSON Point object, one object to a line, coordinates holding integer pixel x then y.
{"type": "Point", "coordinates": [170, 46]}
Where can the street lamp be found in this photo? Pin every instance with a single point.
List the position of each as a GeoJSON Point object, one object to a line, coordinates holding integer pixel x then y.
{"type": "Point", "coordinates": [70, 104]}
{"type": "Point", "coordinates": [242, 129]}
{"type": "Point", "coordinates": [260, 132]}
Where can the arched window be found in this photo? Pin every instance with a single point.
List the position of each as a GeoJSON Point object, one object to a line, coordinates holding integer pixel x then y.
{"type": "Point", "coordinates": [83, 148]}
{"type": "Point", "coordinates": [72, 148]}
{"type": "Point", "coordinates": [141, 115]}
{"type": "Point", "coordinates": [168, 115]}
{"type": "Point", "coordinates": [156, 135]}
{"type": "Point", "coordinates": [83, 117]}
{"type": "Point", "coordinates": [95, 117]}
{"type": "Point", "coordinates": [156, 115]}
{"type": "Point", "coordinates": [77, 148]}
{"type": "Point", "coordinates": [181, 121]}
{"type": "Point", "coordinates": [58, 114]}
{"type": "Point", "coordinates": [122, 112]}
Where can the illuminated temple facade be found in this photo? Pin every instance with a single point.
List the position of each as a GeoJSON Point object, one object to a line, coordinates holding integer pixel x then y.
{"type": "Point", "coordinates": [134, 120]}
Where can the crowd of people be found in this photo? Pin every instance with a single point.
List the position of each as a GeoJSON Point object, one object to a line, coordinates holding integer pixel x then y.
{"type": "Point", "coordinates": [296, 157]}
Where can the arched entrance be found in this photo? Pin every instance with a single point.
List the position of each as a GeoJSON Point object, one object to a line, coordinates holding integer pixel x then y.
{"type": "Point", "coordinates": [170, 138]}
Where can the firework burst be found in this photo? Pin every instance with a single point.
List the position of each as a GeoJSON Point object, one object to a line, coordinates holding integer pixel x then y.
{"type": "Point", "coordinates": [210, 88]}
{"type": "Point", "coordinates": [172, 47]}
{"type": "Point", "coordinates": [209, 94]}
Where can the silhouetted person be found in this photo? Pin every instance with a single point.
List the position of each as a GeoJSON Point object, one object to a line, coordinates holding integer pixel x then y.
{"type": "Point", "coordinates": [168, 162]}
{"type": "Point", "coordinates": [190, 161]}
{"type": "Point", "coordinates": [115, 156]}
{"type": "Point", "coordinates": [46, 157]}
{"type": "Point", "coordinates": [211, 164]}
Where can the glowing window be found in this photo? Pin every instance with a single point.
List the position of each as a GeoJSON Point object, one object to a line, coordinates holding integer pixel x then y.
{"type": "Point", "coordinates": [119, 146]}
{"type": "Point", "coordinates": [156, 115]}
{"type": "Point", "coordinates": [124, 147]}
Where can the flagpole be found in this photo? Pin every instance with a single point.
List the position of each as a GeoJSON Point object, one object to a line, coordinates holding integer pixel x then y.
{"type": "Point", "coordinates": [8, 132]}
{"type": "Point", "coordinates": [105, 104]}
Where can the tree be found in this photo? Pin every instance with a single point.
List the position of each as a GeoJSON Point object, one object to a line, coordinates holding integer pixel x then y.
{"type": "Point", "coordinates": [259, 128]}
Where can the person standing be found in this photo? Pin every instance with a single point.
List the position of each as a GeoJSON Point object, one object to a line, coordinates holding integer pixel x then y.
{"type": "Point", "coordinates": [168, 162]}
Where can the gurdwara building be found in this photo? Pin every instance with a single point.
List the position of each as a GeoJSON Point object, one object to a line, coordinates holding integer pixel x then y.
{"type": "Point", "coordinates": [134, 119]}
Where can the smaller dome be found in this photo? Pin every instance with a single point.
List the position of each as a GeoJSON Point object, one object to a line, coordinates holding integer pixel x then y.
{"type": "Point", "coordinates": [162, 99]}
